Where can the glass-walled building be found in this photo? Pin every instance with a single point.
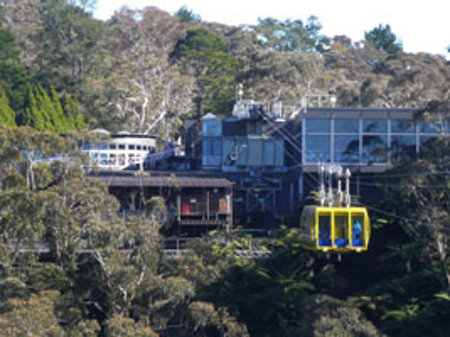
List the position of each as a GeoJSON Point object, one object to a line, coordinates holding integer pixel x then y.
{"type": "Point", "coordinates": [274, 161]}
{"type": "Point", "coordinates": [119, 151]}
{"type": "Point", "coordinates": [241, 144]}
{"type": "Point", "coordinates": [369, 138]}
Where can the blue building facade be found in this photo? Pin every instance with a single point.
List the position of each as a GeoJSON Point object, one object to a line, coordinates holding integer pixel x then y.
{"type": "Point", "coordinates": [366, 139]}
{"type": "Point", "coordinates": [273, 160]}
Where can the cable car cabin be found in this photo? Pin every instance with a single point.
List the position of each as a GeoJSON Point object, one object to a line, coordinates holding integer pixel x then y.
{"type": "Point", "coordinates": [336, 229]}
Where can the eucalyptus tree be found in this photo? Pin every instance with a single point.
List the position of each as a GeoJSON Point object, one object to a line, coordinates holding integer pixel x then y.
{"type": "Point", "coordinates": [383, 38]}
{"type": "Point", "coordinates": [143, 91]}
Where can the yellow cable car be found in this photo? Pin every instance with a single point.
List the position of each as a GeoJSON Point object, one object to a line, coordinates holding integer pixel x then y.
{"type": "Point", "coordinates": [336, 229]}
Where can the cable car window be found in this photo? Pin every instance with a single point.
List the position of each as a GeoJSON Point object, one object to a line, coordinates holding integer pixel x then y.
{"type": "Point", "coordinates": [341, 230]}
{"type": "Point", "coordinates": [324, 230]}
{"type": "Point", "coordinates": [112, 146]}
{"type": "Point", "coordinates": [357, 230]}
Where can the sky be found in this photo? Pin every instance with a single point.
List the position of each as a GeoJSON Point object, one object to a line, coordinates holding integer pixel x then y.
{"type": "Point", "coordinates": [422, 26]}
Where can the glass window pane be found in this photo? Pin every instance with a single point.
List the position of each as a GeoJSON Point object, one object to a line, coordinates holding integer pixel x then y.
{"type": "Point", "coordinates": [357, 230]}
{"type": "Point", "coordinates": [241, 150]}
{"type": "Point", "coordinates": [121, 159]}
{"type": "Point", "coordinates": [209, 160]}
{"type": "Point", "coordinates": [374, 149]}
{"type": "Point", "coordinates": [279, 152]}
{"type": "Point", "coordinates": [211, 152]}
{"type": "Point", "coordinates": [346, 149]}
{"type": "Point", "coordinates": [317, 125]}
{"type": "Point", "coordinates": [403, 126]}
{"type": "Point", "coordinates": [403, 147]}
{"type": "Point", "coordinates": [206, 147]}
{"type": "Point", "coordinates": [324, 230]}
{"type": "Point", "coordinates": [217, 147]}
{"type": "Point", "coordinates": [212, 128]}
{"type": "Point", "coordinates": [255, 152]}
{"type": "Point", "coordinates": [228, 156]}
{"type": "Point", "coordinates": [346, 125]}
{"type": "Point", "coordinates": [431, 127]}
{"type": "Point", "coordinates": [212, 146]}
{"type": "Point", "coordinates": [101, 146]}
{"type": "Point", "coordinates": [317, 149]}
{"type": "Point", "coordinates": [269, 153]}
{"type": "Point", "coordinates": [254, 128]}
{"type": "Point", "coordinates": [341, 230]}
{"type": "Point", "coordinates": [375, 125]}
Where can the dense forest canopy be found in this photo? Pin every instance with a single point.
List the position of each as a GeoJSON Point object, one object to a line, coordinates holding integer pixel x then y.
{"type": "Point", "coordinates": [147, 70]}
{"type": "Point", "coordinates": [63, 72]}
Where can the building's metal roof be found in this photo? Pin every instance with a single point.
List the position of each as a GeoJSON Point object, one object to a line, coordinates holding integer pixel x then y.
{"type": "Point", "coordinates": [131, 135]}
{"type": "Point", "coordinates": [164, 181]}
{"type": "Point", "coordinates": [363, 110]}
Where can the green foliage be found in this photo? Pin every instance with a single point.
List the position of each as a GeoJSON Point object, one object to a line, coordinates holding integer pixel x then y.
{"type": "Point", "coordinates": [12, 287]}
{"type": "Point", "coordinates": [31, 317]}
{"type": "Point", "coordinates": [13, 75]}
{"type": "Point", "coordinates": [187, 15]}
{"type": "Point", "coordinates": [108, 276]}
{"type": "Point", "coordinates": [384, 39]}
{"type": "Point", "coordinates": [87, 5]}
{"type": "Point", "coordinates": [8, 48]}
{"type": "Point", "coordinates": [69, 45]}
{"type": "Point", "coordinates": [214, 68]}
{"type": "Point", "coordinates": [7, 114]}
{"type": "Point", "coordinates": [127, 327]}
{"type": "Point", "coordinates": [46, 113]}
{"type": "Point", "coordinates": [294, 36]}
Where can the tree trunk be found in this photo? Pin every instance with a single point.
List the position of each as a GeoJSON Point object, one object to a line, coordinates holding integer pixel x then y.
{"type": "Point", "coordinates": [442, 250]}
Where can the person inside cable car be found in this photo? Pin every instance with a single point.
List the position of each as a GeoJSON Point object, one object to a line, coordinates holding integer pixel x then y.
{"type": "Point", "coordinates": [357, 233]}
